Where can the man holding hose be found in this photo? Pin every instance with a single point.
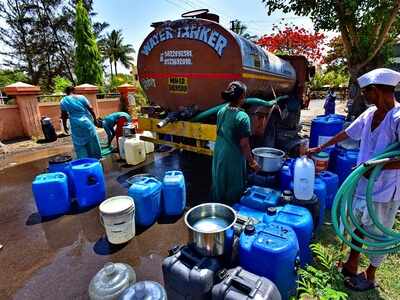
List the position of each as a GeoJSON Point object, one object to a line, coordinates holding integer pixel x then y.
{"type": "Point", "coordinates": [376, 129]}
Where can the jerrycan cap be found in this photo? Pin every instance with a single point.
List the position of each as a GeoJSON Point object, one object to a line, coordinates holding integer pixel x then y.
{"type": "Point", "coordinates": [249, 229]}
{"type": "Point", "coordinates": [111, 280]}
{"type": "Point", "coordinates": [271, 211]}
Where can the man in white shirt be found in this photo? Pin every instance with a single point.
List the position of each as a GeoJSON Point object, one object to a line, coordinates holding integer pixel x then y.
{"type": "Point", "coordinates": [376, 129]}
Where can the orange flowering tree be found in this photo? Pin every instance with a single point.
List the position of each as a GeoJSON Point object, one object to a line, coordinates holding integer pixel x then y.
{"type": "Point", "coordinates": [294, 40]}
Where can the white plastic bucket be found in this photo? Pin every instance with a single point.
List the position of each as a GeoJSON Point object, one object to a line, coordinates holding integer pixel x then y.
{"type": "Point", "coordinates": [117, 215]}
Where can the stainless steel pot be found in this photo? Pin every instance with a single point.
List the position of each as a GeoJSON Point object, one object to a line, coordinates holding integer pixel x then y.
{"type": "Point", "coordinates": [269, 159]}
{"type": "Point", "coordinates": [128, 130]}
{"type": "Point", "coordinates": [207, 224]}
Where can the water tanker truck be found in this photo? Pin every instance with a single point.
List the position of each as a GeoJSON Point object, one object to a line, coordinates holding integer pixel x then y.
{"type": "Point", "coordinates": [184, 65]}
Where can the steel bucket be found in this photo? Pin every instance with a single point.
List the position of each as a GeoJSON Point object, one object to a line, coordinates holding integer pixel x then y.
{"type": "Point", "coordinates": [207, 224]}
{"type": "Point", "coordinates": [269, 159]}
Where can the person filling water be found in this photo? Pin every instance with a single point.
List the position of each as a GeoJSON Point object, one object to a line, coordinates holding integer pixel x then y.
{"type": "Point", "coordinates": [117, 120]}
{"type": "Point", "coordinates": [232, 147]}
{"type": "Point", "coordinates": [377, 128]}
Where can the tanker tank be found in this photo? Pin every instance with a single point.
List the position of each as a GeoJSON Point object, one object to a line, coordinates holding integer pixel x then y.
{"type": "Point", "coordinates": [188, 62]}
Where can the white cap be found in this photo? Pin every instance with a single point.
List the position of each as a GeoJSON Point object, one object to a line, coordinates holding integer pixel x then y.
{"type": "Point", "coordinates": [379, 76]}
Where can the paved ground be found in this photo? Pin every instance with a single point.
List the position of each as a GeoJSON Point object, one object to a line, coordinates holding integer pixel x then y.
{"type": "Point", "coordinates": [56, 259]}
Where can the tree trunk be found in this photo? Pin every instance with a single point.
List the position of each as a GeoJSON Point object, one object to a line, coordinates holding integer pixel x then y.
{"type": "Point", "coordinates": [111, 69]}
{"type": "Point", "coordinates": [115, 68]}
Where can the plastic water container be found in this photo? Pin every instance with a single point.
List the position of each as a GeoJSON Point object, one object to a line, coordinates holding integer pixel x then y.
{"type": "Point", "coordinates": [332, 185]}
{"type": "Point", "coordinates": [321, 161]}
{"type": "Point", "coordinates": [344, 161]}
{"type": "Point", "coordinates": [271, 250]}
{"type": "Point", "coordinates": [88, 178]}
{"type": "Point", "coordinates": [324, 128]}
{"type": "Point", "coordinates": [300, 220]}
{"type": "Point", "coordinates": [263, 179]}
{"type": "Point", "coordinates": [148, 146]}
{"type": "Point", "coordinates": [174, 193]}
{"type": "Point", "coordinates": [240, 284]}
{"type": "Point", "coordinates": [135, 151]}
{"type": "Point", "coordinates": [146, 194]}
{"type": "Point", "coordinates": [189, 275]}
{"type": "Point", "coordinates": [248, 212]}
{"type": "Point", "coordinates": [304, 177]}
{"type": "Point", "coordinates": [121, 146]}
{"type": "Point", "coordinates": [111, 281]}
{"type": "Point", "coordinates": [144, 290]}
{"type": "Point", "coordinates": [118, 218]}
{"type": "Point", "coordinates": [51, 194]}
{"type": "Point", "coordinates": [260, 198]}
{"type": "Point", "coordinates": [321, 192]}
{"type": "Point", "coordinates": [62, 163]}
{"type": "Point", "coordinates": [312, 206]}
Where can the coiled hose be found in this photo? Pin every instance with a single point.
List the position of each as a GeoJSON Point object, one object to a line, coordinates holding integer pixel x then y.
{"type": "Point", "coordinates": [342, 208]}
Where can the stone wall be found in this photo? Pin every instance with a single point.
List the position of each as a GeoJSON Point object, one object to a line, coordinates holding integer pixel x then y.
{"type": "Point", "coordinates": [10, 123]}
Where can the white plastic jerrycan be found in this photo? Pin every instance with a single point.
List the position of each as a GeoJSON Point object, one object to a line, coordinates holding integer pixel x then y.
{"type": "Point", "coordinates": [304, 177]}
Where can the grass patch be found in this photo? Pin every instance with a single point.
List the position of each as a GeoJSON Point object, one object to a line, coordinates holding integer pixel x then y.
{"type": "Point", "coordinates": [388, 275]}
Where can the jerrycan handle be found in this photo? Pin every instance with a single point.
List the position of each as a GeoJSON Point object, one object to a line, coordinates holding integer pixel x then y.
{"type": "Point", "coordinates": [150, 179]}
{"type": "Point", "coordinates": [91, 180]}
{"type": "Point", "coordinates": [240, 284]}
{"type": "Point", "coordinates": [260, 196]}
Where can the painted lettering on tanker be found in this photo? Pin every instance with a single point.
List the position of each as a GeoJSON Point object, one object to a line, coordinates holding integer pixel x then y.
{"type": "Point", "coordinates": [212, 37]}
{"type": "Point", "coordinates": [148, 83]}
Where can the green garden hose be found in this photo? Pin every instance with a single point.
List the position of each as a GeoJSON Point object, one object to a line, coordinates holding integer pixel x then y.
{"type": "Point", "coordinates": [249, 101]}
{"type": "Point", "coordinates": [342, 208]}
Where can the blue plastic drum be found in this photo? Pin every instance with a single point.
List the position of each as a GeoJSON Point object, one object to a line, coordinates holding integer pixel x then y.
{"type": "Point", "coordinates": [332, 185]}
{"type": "Point", "coordinates": [325, 127]}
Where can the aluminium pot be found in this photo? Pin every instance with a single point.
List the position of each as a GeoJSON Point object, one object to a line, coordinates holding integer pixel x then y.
{"type": "Point", "coordinates": [269, 159]}
{"type": "Point", "coordinates": [208, 224]}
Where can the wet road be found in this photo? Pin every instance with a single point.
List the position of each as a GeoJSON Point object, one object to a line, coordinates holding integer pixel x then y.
{"type": "Point", "coordinates": [56, 259]}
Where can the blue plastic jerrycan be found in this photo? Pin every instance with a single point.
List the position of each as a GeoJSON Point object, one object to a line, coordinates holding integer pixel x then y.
{"type": "Point", "coordinates": [174, 193]}
{"type": "Point", "coordinates": [260, 198]}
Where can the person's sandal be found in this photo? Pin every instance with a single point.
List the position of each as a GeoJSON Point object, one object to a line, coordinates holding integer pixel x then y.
{"type": "Point", "coordinates": [360, 283]}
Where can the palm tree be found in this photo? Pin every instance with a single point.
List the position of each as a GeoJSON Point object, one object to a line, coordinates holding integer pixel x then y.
{"type": "Point", "coordinates": [241, 29]}
{"type": "Point", "coordinates": [115, 50]}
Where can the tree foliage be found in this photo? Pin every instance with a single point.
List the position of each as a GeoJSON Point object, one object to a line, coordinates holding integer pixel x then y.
{"type": "Point", "coordinates": [335, 57]}
{"type": "Point", "coordinates": [60, 83]}
{"type": "Point", "coordinates": [115, 50]}
{"type": "Point", "coordinates": [294, 40]}
{"type": "Point", "coordinates": [366, 26]}
{"type": "Point", "coordinates": [88, 67]}
{"type": "Point", "coordinates": [39, 38]}
{"type": "Point", "coordinates": [11, 76]}
{"type": "Point", "coordinates": [368, 30]}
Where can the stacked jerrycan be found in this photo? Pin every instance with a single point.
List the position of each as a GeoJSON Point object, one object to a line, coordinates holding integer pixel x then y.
{"type": "Point", "coordinates": [271, 250]}
{"type": "Point", "coordinates": [260, 198]}
{"type": "Point", "coordinates": [324, 128]}
{"type": "Point", "coordinates": [342, 162]}
{"type": "Point", "coordinates": [62, 163]}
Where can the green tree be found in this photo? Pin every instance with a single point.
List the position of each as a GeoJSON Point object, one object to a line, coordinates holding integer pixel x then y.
{"type": "Point", "coordinates": [11, 76]}
{"type": "Point", "coordinates": [38, 38]}
{"type": "Point", "coordinates": [368, 29]}
{"type": "Point", "coordinates": [115, 50]}
{"type": "Point", "coordinates": [241, 29]}
{"type": "Point", "coordinates": [60, 83]}
{"type": "Point", "coordinates": [87, 56]}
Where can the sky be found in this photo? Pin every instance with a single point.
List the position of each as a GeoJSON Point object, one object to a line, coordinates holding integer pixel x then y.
{"type": "Point", "coordinates": [134, 17]}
